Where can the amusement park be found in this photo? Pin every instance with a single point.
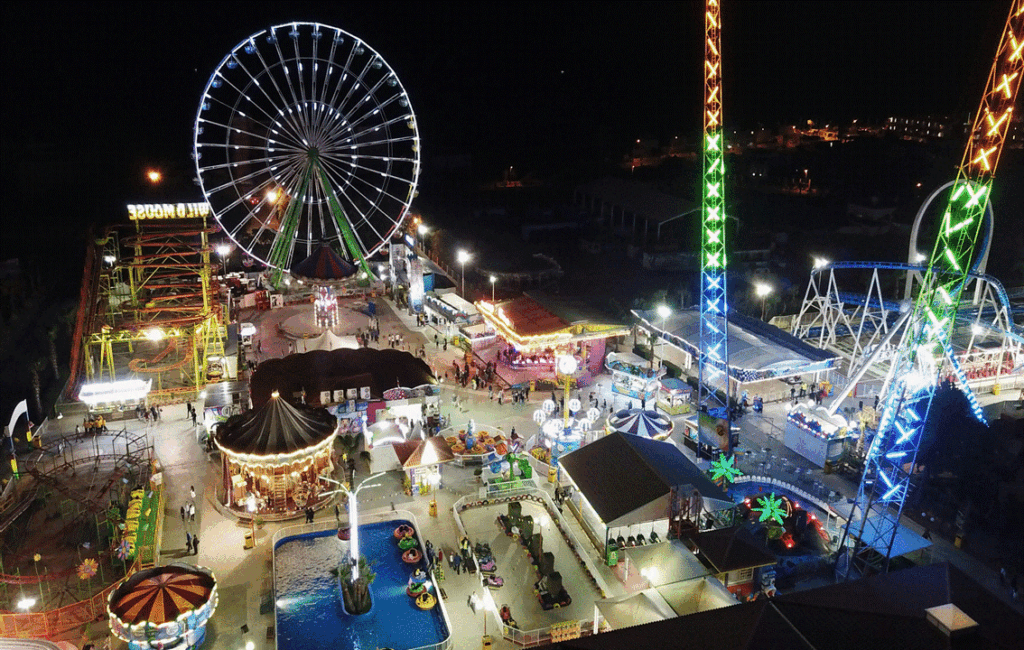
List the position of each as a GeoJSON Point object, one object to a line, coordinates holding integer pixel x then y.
{"type": "Point", "coordinates": [388, 432]}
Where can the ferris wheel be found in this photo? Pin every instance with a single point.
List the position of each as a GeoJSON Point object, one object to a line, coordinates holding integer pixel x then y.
{"type": "Point", "coordinates": [304, 135]}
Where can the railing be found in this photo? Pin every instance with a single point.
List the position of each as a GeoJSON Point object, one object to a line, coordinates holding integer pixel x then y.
{"type": "Point", "coordinates": [803, 494]}
{"type": "Point", "coordinates": [57, 621]}
{"type": "Point", "coordinates": [320, 526]}
{"type": "Point", "coordinates": [511, 488]}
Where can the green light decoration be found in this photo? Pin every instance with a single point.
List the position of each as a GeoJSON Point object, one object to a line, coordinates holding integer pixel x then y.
{"type": "Point", "coordinates": [723, 469]}
{"type": "Point", "coordinates": [771, 509]}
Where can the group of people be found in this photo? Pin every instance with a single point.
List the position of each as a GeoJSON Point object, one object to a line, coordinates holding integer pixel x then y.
{"type": "Point", "coordinates": [188, 517]}
{"type": "Point", "coordinates": [817, 393]}
{"type": "Point", "coordinates": [369, 336]}
{"type": "Point", "coordinates": [147, 414]}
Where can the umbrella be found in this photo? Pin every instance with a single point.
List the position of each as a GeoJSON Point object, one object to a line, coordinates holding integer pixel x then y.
{"type": "Point", "coordinates": [163, 596]}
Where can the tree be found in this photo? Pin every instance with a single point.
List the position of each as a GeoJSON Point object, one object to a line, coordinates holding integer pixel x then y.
{"type": "Point", "coordinates": [51, 337]}
{"type": "Point", "coordinates": [37, 385]}
{"type": "Point", "coordinates": [356, 594]}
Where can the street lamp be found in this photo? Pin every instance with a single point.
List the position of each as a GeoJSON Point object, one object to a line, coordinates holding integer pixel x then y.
{"type": "Point", "coordinates": [762, 291]}
{"type": "Point", "coordinates": [820, 262]}
{"type": "Point", "coordinates": [422, 229]}
{"type": "Point", "coordinates": [664, 311]}
{"type": "Point", "coordinates": [154, 176]}
{"type": "Point", "coordinates": [493, 280]}
{"type": "Point", "coordinates": [353, 522]}
{"type": "Point", "coordinates": [224, 250]}
{"type": "Point", "coordinates": [462, 257]}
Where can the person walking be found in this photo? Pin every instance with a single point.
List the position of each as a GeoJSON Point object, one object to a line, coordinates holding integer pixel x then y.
{"type": "Point", "coordinates": [195, 544]}
{"type": "Point", "coordinates": [192, 491]}
{"type": "Point", "coordinates": [188, 541]}
{"type": "Point", "coordinates": [501, 396]}
{"type": "Point", "coordinates": [182, 513]}
{"type": "Point", "coordinates": [457, 564]}
{"type": "Point", "coordinates": [192, 512]}
{"type": "Point", "coordinates": [337, 513]}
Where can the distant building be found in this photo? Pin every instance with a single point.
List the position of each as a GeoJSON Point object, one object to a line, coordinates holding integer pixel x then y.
{"type": "Point", "coordinates": [928, 128]}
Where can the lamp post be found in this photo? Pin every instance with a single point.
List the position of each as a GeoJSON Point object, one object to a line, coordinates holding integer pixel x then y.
{"type": "Point", "coordinates": [353, 519]}
{"type": "Point", "coordinates": [223, 250]}
{"type": "Point", "coordinates": [663, 313]}
{"type": "Point", "coordinates": [493, 280]}
{"type": "Point", "coordinates": [762, 291]}
{"type": "Point", "coordinates": [462, 257]}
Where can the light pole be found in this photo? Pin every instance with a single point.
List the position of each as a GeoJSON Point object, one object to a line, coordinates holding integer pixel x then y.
{"type": "Point", "coordinates": [224, 250]}
{"type": "Point", "coordinates": [353, 518]}
{"type": "Point", "coordinates": [493, 280]}
{"type": "Point", "coordinates": [663, 313]}
{"type": "Point", "coordinates": [762, 291]}
{"type": "Point", "coordinates": [462, 257]}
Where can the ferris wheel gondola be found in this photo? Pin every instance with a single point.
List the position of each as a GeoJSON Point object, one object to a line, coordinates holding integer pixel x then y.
{"type": "Point", "coordinates": [304, 134]}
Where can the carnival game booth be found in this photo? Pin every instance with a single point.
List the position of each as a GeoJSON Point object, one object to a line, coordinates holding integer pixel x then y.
{"type": "Point", "coordinates": [163, 607]}
{"type": "Point", "coordinates": [624, 487]}
{"type": "Point", "coordinates": [638, 422]}
{"type": "Point", "coordinates": [674, 396]}
{"type": "Point", "coordinates": [423, 466]}
{"type": "Point", "coordinates": [276, 457]}
{"type": "Point", "coordinates": [816, 435]}
{"type": "Point", "coordinates": [632, 375]}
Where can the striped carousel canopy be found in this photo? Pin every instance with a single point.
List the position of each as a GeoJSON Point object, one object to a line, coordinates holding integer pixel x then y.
{"type": "Point", "coordinates": [162, 594]}
{"type": "Point", "coordinates": [325, 265]}
{"type": "Point", "coordinates": [647, 424]}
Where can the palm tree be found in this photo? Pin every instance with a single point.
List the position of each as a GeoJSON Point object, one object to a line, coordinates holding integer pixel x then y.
{"type": "Point", "coordinates": [356, 594]}
{"type": "Point", "coordinates": [37, 384]}
{"type": "Point", "coordinates": [51, 336]}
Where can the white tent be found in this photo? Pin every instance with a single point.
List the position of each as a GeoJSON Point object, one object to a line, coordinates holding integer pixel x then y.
{"type": "Point", "coordinates": [640, 608]}
{"type": "Point", "coordinates": [326, 341]}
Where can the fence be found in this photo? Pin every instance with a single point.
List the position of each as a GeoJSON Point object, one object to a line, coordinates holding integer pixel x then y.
{"type": "Point", "coordinates": [365, 518]}
{"type": "Point", "coordinates": [57, 621]}
{"type": "Point", "coordinates": [539, 636]}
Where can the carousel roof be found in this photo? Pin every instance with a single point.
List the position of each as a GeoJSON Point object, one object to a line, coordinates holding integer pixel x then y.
{"type": "Point", "coordinates": [162, 594]}
{"type": "Point", "coordinates": [277, 427]}
{"type": "Point", "coordinates": [649, 424]}
{"type": "Point", "coordinates": [430, 451]}
{"type": "Point", "coordinates": [324, 264]}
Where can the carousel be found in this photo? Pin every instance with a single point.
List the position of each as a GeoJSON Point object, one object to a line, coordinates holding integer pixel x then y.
{"type": "Point", "coordinates": [276, 458]}
{"type": "Point", "coordinates": [640, 422]}
{"type": "Point", "coordinates": [163, 607]}
{"type": "Point", "coordinates": [327, 272]}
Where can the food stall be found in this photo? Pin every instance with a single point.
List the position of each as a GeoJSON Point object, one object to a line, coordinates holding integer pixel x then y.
{"type": "Point", "coordinates": [674, 396]}
{"type": "Point", "coordinates": [632, 375]}
{"type": "Point", "coordinates": [814, 434]}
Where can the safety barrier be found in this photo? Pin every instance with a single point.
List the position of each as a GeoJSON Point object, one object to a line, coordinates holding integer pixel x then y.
{"type": "Point", "coordinates": [364, 518]}
{"type": "Point", "coordinates": [47, 625]}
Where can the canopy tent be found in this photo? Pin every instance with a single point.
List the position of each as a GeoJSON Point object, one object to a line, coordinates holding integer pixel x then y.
{"type": "Point", "coordinates": [384, 458]}
{"type": "Point", "coordinates": [732, 549]}
{"type": "Point", "coordinates": [643, 607]}
{"type": "Point", "coordinates": [324, 265]}
{"type": "Point", "coordinates": [326, 341]}
{"type": "Point", "coordinates": [430, 451]}
{"type": "Point", "coordinates": [276, 428]}
{"type": "Point", "coordinates": [276, 456]}
{"type": "Point", "coordinates": [628, 479]}
{"type": "Point", "coordinates": [696, 595]}
{"type": "Point", "coordinates": [530, 322]}
{"type": "Point", "coordinates": [638, 422]}
{"type": "Point", "coordinates": [665, 563]}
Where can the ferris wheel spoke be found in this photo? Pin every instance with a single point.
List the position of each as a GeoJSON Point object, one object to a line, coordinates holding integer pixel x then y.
{"type": "Point", "coordinates": [229, 129]}
{"type": "Point", "coordinates": [372, 203]}
{"type": "Point", "coordinates": [284, 111]}
{"type": "Point", "coordinates": [356, 83]}
{"type": "Point", "coordinates": [377, 172]}
{"type": "Point", "coordinates": [288, 189]}
{"type": "Point", "coordinates": [342, 155]}
{"type": "Point", "coordinates": [246, 162]}
{"type": "Point", "coordinates": [337, 189]}
{"type": "Point", "coordinates": [288, 78]}
{"type": "Point", "coordinates": [253, 79]}
{"type": "Point", "coordinates": [358, 134]}
{"type": "Point", "coordinates": [244, 94]}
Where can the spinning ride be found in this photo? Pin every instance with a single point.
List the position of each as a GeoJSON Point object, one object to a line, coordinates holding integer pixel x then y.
{"type": "Point", "coordinates": [304, 134]}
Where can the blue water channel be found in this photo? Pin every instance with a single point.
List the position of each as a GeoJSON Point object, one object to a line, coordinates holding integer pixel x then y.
{"type": "Point", "coordinates": [309, 611]}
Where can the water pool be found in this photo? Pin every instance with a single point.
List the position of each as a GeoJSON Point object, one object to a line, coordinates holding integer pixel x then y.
{"type": "Point", "coordinates": [309, 612]}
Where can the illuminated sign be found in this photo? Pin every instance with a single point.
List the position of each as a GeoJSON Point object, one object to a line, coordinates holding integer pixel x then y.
{"type": "Point", "coordinates": [138, 211]}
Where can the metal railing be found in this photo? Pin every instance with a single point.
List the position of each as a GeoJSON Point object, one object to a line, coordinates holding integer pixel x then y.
{"type": "Point", "coordinates": [365, 518]}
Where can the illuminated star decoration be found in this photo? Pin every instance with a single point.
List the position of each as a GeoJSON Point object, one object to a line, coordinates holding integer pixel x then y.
{"type": "Point", "coordinates": [771, 508]}
{"type": "Point", "coordinates": [87, 569]}
{"type": "Point", "coordinates": [724, 470]}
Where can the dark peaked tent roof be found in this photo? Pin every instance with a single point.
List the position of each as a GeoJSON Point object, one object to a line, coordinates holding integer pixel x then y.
{"type": "Point", "coordinates": [324, 264]}
{"type": "Point", "coordinates": [277, 427]}
{"type": "Point", "coordinates": [621, 473]}
{"type": "Point", "coordinates": [430, 451]}
{"type": "Point", "coordinates": [332, 370]}
{"type": "Point", "coordinates": [883, 611]}
{"type": "Point", "coordinates": [729, 549]}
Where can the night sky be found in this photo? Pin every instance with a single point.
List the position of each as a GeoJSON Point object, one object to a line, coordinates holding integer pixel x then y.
{"type": "Point", "coordinates": [96, 92]}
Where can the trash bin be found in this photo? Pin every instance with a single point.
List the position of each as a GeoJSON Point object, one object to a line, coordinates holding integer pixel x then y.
{"type": "Point", "coordinates": [996, 388]}
{"type": "Point", "coordinates": [612, 554]}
